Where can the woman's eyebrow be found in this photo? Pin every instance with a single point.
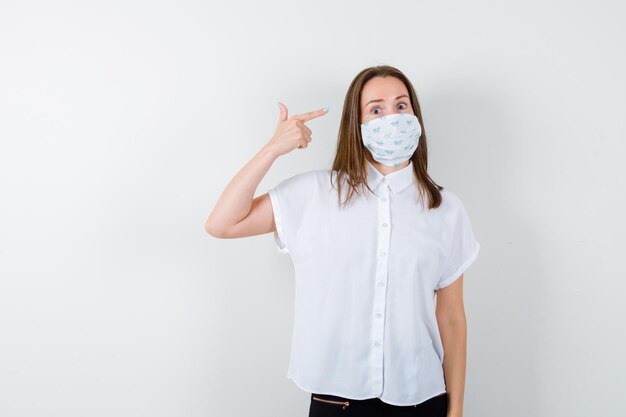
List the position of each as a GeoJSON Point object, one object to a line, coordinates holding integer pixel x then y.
{"type": "Point", "coordinates": [380, 99]}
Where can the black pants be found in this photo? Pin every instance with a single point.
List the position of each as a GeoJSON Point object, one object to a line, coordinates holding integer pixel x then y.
{"type": "Point", "coordinates": [325, 405]}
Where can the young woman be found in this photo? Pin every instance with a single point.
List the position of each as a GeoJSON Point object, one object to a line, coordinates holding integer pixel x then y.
{"type": "Point", "coordinates": [379, 251]}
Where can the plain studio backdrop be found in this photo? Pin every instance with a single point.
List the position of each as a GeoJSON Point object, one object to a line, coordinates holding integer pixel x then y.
{"type": "Point", "coordinates": [121, 122]}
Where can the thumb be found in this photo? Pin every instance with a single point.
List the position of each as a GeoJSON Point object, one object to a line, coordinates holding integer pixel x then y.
{"type": "Point", "coordinates": [283, 112]}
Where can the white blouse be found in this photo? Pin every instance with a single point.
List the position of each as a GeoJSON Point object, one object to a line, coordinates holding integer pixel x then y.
{"type": "Point", "coordinates": [365, 281]}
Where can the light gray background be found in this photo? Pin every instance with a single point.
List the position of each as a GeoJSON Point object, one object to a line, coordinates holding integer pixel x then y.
{"type": "Point", "coordinates": [121, 122]}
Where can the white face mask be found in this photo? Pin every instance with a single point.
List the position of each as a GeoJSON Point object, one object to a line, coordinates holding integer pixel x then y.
{"type": "Point", "coordinates": [392, 139]}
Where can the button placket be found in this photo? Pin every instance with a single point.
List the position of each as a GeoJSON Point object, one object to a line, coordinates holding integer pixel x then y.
{"type": "Point", "coordinates": [380, 295]}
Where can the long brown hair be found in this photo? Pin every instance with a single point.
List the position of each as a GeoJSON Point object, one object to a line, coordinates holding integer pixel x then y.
{"type": "Point", "coordinates": [352, 156]}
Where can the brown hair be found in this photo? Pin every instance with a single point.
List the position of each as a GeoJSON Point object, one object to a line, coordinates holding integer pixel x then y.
{"type": "Point", "coordinates": [352, 156]}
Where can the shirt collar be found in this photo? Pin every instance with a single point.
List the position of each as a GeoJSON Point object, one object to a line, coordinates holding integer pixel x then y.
{"type": "Point", "coordinates": [397, 180]}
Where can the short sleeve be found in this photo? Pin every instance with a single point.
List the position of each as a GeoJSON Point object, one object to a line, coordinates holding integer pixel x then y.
{"type": "Point", "coordinates": [462, 246]}
{"type": "Point", "coordinates": [289, 201]}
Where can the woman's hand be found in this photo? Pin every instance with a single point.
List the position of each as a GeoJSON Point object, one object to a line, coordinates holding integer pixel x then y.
{"type": "Point", "coordinates": [291, 132]}
{"type": "Point", "coordinates": [237, 213]}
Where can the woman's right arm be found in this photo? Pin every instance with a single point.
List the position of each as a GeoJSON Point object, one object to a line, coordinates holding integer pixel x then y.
{"type": "Point", "coordinates": [237, 213]}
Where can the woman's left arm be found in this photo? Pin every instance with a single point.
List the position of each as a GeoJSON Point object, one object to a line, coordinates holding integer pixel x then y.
{"type": "Point", "coordinates": [450, 314]}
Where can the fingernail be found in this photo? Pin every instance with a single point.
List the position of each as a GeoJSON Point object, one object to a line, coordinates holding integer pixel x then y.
{"type": "Point", "coordinates": [278, 104]}
{"type": "Point", "coordinates": [325, 109]}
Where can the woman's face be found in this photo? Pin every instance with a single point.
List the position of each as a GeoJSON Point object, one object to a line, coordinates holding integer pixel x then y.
{"type": "Point", "coordinates": [383, 96]}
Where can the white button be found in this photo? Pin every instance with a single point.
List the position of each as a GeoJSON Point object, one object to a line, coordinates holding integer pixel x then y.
{"type": "Point", "coordinates": [376, 344]}
{"type": "Point", "coordinates": [378, 315]}
{"type": "Point", "coordinates": [384, 225]}
{"type": "Point", "coordinates": [384, 179]}
{"type": "Point", "coordinates": [383, 253]}
{"type": "Point", "coordinates": [383, 199]}
{"type": "Point", "coordinates": [380, 283]}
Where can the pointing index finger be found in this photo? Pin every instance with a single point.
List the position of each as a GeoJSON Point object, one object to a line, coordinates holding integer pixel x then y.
{"type": "Point", "coordinates": [305, 117]}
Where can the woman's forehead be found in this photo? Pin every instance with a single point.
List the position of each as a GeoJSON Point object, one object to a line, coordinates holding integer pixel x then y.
{"type": "Point", "coordinates": [379, 88]}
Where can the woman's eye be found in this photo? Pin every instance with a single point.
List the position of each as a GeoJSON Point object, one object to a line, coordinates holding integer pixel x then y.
{"type": "Point", "coordinates": [374, 109]}
{"type": "Point", "coordinates": [402, 104]}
